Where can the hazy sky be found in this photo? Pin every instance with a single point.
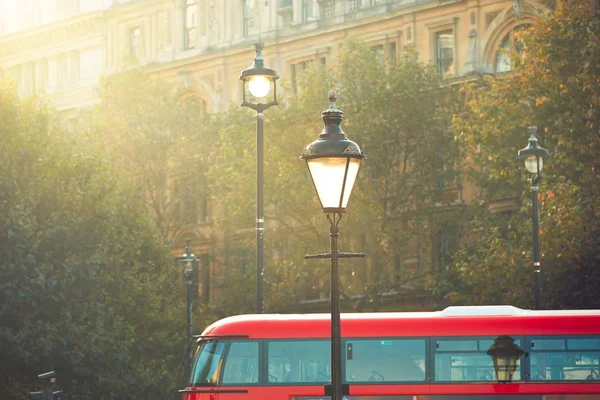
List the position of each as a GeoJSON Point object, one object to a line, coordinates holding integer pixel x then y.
{"type": "Point", "coordinates": [7, 15]}
{"type": "Point", "coordinates": [22, 14]}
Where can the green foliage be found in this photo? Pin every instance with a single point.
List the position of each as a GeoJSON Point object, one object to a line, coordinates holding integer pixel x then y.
{"type": "Point", "coordinates": [397, 112]}
{"type": "Point", "coordinates": [147, 128]}
{"type": "Point", "coordinates": [83, 285]}
{"type": "Point", "coordinates": [556, 87]}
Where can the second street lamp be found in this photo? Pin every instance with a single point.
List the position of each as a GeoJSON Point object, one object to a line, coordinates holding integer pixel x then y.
{"type": "Point", "coordinates": [259, 92]}
{"type": "Point", "coordinates": [333, 161]}
{"type": "Point", "coordinates": [533, 155]}
{"type": "Point", "coordinates": [188, 259]}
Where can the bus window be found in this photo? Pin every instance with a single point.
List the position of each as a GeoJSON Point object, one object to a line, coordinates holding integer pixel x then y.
{"type": "Point", "coordinates": [388, 360]}
{"type": "Point", "coordinates": [564, 366]}
{"type": "Point", "coordinates": [465, 360]}
{"type": "Point", "coordinates": [565, 359]}
{"type": "Point", "coordinates": [241, 364]}
{"type": "Point", "coordinates": [206, 366]}
{"type": "Point", "coordinates": [298, 361]}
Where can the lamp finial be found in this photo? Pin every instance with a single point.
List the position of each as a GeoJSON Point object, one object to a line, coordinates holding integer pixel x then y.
{"type": "Point", "coordinates": [332, 98]}
{"type": "Point", "coordinates": [532, 130]}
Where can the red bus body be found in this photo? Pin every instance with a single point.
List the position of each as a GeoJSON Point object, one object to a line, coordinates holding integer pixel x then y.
{"type": "Point", "coordinates": [454, 323]}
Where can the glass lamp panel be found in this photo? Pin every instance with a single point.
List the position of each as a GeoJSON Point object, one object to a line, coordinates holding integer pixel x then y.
{"type": "Point", "coordinates": [354, 164]}
{"type": "Point", "coordinates": [189, 266]}
{"type": "Point", "coordinates": [259, 86]}
{"type": "Point", "coordinates": [328, 175]}
{"type": "Point", "coordinates": [505, 367]}
{"type": "Point", "coordinates": [531, 163]}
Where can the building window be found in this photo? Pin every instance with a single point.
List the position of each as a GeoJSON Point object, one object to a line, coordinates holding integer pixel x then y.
{"type": "Point", "coordinates": [329, 9]}
{"type": "Point", "coordinates": [392, 51]}
{"type": "Point", "coordinates": [74, 67]}
{"type": "Point", "coordinates": [446, 243]}
{"type": "Point", "coordinates": [167, 30]}
{"type": "Point", "coordinates": [248, 23]}
{"type": "Point", "coordinates": [508, 45]}
{"type": "Point", "coordinates": [308, 13]}
{"type": "Point", "coordinates": [297, 72]}
{"type": "Point", "coordinates": [398, 273]}
{"type": "Point", "coordinates": [185, 206]}
{"type": "Point", "coordinates": [135, 43]}
{"type": "Point", "coordinates": [355, 5]}
{"type": "Point", "coordinates": [61, 70]}
{"type": "Point", "coordinates": [287, 19]}
{"type": "Point", "coordinates": [444, 46]}
{"type": "Point", "coordinates": [160, 31]}
{"type": "Point", "coordinates": [42, 74]}
{"type": "Point", "coordinates": [379, 53]}
{"type": "Point", "coordinates": [191, 24]}
{"type": "Point", "coordinates": [28, 79]}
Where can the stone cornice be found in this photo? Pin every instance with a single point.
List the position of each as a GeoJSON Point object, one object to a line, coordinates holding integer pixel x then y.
{"type": "Point", "coordinates": [230, 49]}
{"type": "Point", "coordinates": [123, 8]}
{"type": "Point", "coordinates": [51, 36]}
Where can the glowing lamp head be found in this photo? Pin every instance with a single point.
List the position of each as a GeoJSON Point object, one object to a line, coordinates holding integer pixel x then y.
{"type": "Point", "coordinates": [259, 86]}
{"type": "Point", "coordinates": [533, 155]}
{"type": "Point", "coordinates": [258, 80]}
{"type": "Point", "coordinates": [333, 161]}
{"type": "Point", "coordinates": [534, 164]}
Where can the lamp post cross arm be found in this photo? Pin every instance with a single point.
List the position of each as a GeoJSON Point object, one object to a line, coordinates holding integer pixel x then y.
{"type": "Point", "coordinates": [331, 255]}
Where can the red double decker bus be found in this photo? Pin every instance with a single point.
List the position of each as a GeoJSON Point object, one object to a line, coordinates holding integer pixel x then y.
{"type": "Point", "coordinates": [399, 356]}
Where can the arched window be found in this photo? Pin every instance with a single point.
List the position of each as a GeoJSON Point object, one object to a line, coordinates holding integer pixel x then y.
{"type": "Point", "coordinates": [509, 45]}
{"type": "Point", "coordinates": [248, 23]}
{"type": "Point", "coordinates": [191, 24]}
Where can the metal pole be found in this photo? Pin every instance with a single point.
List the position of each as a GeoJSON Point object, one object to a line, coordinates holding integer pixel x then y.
{"type": "Point", "coordinates": [336, 336]}
{"type": "Point", "coordinates": [260, 229]}
{"type": "Point", "coordinates": [190, 300]}
{"type": "Point", "coordinates": [536, 243]}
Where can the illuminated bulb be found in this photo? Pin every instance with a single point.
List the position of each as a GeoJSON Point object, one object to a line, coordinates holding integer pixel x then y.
{"type": "Point", "coordinates": [531, 163]}
{"type": "Point", "coordinates": [259, 86]}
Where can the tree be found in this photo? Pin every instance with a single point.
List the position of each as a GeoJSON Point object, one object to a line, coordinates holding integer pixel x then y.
{"type": "Point", "coordinates": [400, 113]}
{"type": "Point", "coordinates": [147, 125]}
{"type": "Point", "coordinates": [555, 86]}
{"type": "Point", "coordinates": [413, 152]}
{"type": "Point", "coordinates": [83, 288]}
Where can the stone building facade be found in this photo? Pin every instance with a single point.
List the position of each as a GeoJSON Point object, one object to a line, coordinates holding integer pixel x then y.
{"type": "Point", "coordinates": [61, 48]}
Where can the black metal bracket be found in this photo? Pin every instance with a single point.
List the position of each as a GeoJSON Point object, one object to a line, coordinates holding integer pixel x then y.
{"type": "Point", "coordinates": [330, 255]}
{"type": "Point", "coordinates": [260, 107]}
{"type": "Point", "coordinates": [345, 390]}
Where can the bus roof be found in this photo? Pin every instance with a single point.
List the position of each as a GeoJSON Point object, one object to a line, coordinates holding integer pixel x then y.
{"type": "Point", "coordinates": [452, 321]}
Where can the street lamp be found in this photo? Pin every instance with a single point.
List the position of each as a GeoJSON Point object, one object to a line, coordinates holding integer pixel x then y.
{"type": "Point", "coordinates": [506, 356]}
{"type": "Point", "coordinates": [333, 161]}
{"type": "Point", "coordinates": [533, 155]}
{"type": "Point", "coordinates": [258, 82]}
{"type": "Point", "coordinates": [188, 259]}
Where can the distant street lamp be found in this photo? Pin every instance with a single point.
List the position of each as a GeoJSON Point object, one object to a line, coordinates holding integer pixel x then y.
{"type": "Point", "coordinates": [333, 161]}
{"type": "Point", "coordinates": [259, 92]}
{"type": "Point", "coordinates": [188, 259]}
{"type": "Point", "coordinates": [533, 155]}
{"type": "Point", "coordinates": [506, 356]}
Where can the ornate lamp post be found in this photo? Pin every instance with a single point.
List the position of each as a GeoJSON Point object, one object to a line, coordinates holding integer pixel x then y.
{"type": "Point", "coordinates": [333, 161]}
{"type": "Point", "coordinates": [259, 92]}
{"type": "Point", "coordinates": [533, 155]}
{"type": "Point", "coordinates": [506, 356]}
{"type": "Point", "coordinates": [188, 259]}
